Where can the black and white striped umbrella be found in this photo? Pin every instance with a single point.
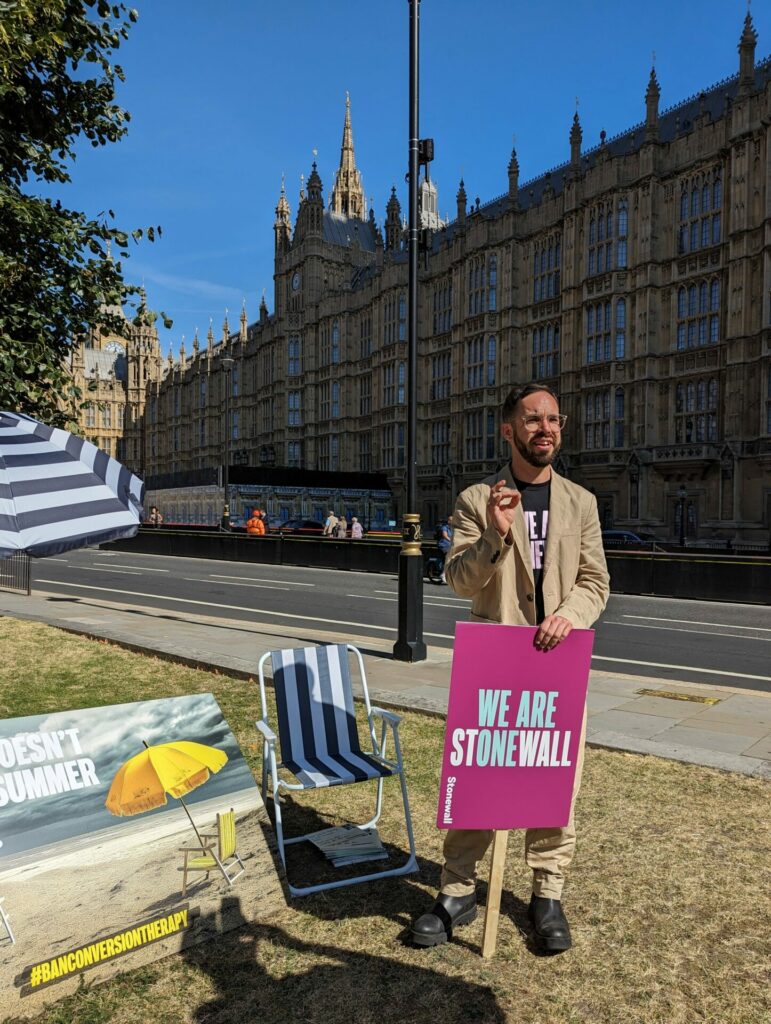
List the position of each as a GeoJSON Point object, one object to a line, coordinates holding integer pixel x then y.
{"type": "Point", "coordinates": [59, 492]}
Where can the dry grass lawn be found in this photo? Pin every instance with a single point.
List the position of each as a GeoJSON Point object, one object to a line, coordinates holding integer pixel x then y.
{"type": "Point", "coordinates": [668, 897]}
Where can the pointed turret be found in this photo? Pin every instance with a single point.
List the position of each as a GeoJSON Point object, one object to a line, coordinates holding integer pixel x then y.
{"type": "Point", "coordinates": [652, 96]}
{"type": "Point", "coordinates": [195, 344]}
{"type": "Point", "coordinates": [347, 195]}
{"type": "Point", "coordinates": [242, 325]}
{"type": "Point", "coordinates": [282, 226]}
{"type": "Point", "coordinates": [225, 329]}
{"type": "Point", "coordinates": [513, 177]}
{"type": "Point", "coordinates": [210, 337]}
{"type": "Point", "coordinates": [263, 307]}
{"type": "Point", "coordinates": [461, 199]}
{"type": "Point", "coordinates": [182, 354]}
{"type": "Point", "coordinates": [393, 225]}
{"type": "Point", "coordinates": [576, 135]}
{"type": "Point", "coordinates": [311, 213]}
{"type": "Point", "coordinates": [747, 44]}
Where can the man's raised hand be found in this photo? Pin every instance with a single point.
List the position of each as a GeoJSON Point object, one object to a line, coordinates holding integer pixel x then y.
{"type": "Point", "coordinates": [501, 506]}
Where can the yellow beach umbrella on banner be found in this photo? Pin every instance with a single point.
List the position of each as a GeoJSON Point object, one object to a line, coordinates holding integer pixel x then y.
{"type": "Point", "coordinates": [176, 768]}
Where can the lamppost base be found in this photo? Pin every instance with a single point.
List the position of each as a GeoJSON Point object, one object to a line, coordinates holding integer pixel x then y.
{"type": "Point", "coordinates": [409, 646]}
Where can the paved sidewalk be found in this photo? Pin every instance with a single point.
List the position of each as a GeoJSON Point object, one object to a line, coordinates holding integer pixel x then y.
{"type": "Point", "coordinates": [733, 734]}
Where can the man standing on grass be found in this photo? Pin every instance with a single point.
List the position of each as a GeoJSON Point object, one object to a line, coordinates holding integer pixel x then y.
{"type": "Point", "coordinates": [501, 559]}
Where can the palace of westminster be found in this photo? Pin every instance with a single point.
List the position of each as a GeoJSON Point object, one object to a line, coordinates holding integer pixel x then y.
{"type": "Point", "coordinates": [635, 279]}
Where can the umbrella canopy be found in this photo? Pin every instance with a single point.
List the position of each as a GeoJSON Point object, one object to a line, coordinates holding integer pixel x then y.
{"type": "Point", "coordinates": [59, 492]}
{"type": "Point", "coordinates": [176, 768]}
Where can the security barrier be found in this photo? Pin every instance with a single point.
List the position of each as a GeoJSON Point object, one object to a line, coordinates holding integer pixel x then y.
{"type": "Point", "coordinates": [742, 578]}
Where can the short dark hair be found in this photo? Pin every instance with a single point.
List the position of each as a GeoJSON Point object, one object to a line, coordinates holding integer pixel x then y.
{"type": "Point", "coordinates": [516, 395]}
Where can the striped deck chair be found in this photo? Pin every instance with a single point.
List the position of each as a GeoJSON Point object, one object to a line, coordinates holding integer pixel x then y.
{"type": "Point", "coordinates": [320, 741]}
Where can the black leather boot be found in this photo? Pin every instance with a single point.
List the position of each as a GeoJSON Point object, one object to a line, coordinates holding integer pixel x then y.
{"type": "Point", "coordinates": [551, 929]}
{"type": "Point", "coordinates": [447, 913]}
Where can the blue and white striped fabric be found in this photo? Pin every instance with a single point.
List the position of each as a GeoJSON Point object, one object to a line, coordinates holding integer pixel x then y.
{"type": "Point", "coordinates": [316, 718]}
{"type": "Point", "coordinates": [59, 492]}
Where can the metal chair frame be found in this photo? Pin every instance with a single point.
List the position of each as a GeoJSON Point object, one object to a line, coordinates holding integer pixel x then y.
{"type": "Point", "coordinates": [388, 721]}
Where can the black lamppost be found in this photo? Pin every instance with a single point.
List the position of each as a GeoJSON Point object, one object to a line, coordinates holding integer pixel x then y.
{"type": "Point", "coordinates": [226, 363]}
{"type": "Point", "coordinates": [682, 495]}
{"type": "Point", "coordinates": [409, 645]}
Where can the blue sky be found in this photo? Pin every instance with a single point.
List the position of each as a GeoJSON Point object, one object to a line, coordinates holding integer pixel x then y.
{"type": "Point", "coordinates": [226, 97]}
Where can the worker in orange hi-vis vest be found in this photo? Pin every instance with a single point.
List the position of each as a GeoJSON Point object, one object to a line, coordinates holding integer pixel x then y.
{"type": "Point", "coordinates": [255, 527]}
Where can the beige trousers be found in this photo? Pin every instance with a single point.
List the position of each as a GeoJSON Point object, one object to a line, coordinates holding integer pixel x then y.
{"type": "Point", "coordinates": [548, 851]}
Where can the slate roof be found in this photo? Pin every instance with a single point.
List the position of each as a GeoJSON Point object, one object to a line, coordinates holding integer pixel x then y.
{"type": "Point", "coordinates": [342, 230]}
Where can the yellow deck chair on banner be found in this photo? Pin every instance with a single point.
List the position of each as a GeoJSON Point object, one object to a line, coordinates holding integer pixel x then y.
{"type": "Point", "coordinates": [4, 919]}
{"type": "Point", "coordinates": [207, 857]}
{"type": "Point", "coordinates": [320, 743]}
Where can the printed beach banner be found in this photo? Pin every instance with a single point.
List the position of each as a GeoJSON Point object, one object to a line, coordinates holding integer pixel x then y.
{"type": "Point", "coordinates": [127, 833]}
{"type": "Point", "coordinates": [513, 728]}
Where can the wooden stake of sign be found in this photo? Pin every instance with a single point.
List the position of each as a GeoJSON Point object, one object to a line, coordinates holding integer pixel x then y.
{"type": "Point", "coordinates": [494, 887]}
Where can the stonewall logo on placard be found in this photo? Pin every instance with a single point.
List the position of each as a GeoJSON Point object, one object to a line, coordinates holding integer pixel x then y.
{"type": "Point", "coordinates": [513, 728]}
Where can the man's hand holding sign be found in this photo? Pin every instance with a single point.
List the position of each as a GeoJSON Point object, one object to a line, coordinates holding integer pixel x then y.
{"type": "Point", "coordinates": [514, 741]}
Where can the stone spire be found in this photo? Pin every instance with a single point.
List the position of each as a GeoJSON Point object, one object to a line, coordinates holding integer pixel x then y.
{"type": "Point", "coordinates": [348, 196]}
{"type": "Point", "coordinates": [393, 224]}
{"type": "Point", "coordinates": [461, 198]}
{"type": "Point", "coordinates": [513, 176]}
{"type": "Point", "coordinates": [195, 344]}
{"type": "Point", "coordinates": [242, 324]}
{"type": "Point", "coordinates": [747, 56]}
{"type": "Point", "coordinates": [282, 226]}
{"type": "Point", "coordinates": [210, 337]}
{"type": "Point", "coordinates": [652, 96]}
{"type": "Point", "coordinates": [182, 354]}
{"type": "Point", "coordinates": [576, 135]}
{"type": "Point", "coordinates": [225, 329]}
{"type": "Point", "coordinates": [263, 307]}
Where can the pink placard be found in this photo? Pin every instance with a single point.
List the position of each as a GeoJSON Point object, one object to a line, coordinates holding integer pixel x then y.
{"type": "Point", "coordinates": [513, 728]}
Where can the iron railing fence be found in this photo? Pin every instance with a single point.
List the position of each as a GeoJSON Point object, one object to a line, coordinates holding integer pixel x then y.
{"type": "Point", "coordinates": [15, 573]}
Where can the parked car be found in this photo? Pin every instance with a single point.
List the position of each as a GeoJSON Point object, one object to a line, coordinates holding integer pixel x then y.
{"type": "Point", "coordinates": [273, 525]}
{"type": "Point", "coordinates": [628, 539]}
{"type": "Point", "coordinates": [308, 527]}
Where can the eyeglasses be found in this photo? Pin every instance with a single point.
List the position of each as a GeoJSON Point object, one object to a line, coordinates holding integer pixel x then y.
{"type": "Point", "coordinates": [554, 421]}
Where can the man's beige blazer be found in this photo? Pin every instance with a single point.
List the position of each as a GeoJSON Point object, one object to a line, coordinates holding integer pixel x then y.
{"type": "Point", "coordinates": [497, 573]}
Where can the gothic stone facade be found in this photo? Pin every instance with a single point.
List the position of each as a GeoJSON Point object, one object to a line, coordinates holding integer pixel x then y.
{"type": "Point", "coordinates": [635, 279]}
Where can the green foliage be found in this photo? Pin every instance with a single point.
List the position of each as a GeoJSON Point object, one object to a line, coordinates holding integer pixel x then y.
{"type": "Point", "coordinates": [57, 277]}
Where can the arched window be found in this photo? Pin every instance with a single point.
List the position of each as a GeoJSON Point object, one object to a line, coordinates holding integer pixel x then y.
{"type": "Point", "coordinates": [691, 398]}
{"type": "Point", "coordinates": [623, 218]}
{"type": "Point", "coordinates": [335, 341]}
{"type": "Point", "coordinates": [618, 419]}
{"type": "Point", "coordinates": [400, 387]}
{"type": "Point", "coordinates": [701, 395]}
{"type": "Point", "coordinates": [592, 231]}
{"type": "Point", "coordinates": [335, 399]}
{"type": "Point", "coordinates": [491, 361]}
{"type": "Point", "coordinates": [703, 297]}
{"type": "Point", "coordinates": [717, 193]}
{"type": "Point", "coordinates": [692, 301]}
{"type": "Point", "coordinates": [714, 295]}
{"type": "Point", "coordinates": [680, 398]}
{"type": "Point", "coordinates": [712, 401]}
{"type": "Point", "coordinates": [683, 205]}
{"type": "Point", "coordinates": [694, 202]}
{"type": "Point", "coordinates": [705, 197]}
{"type": "Point", "coordinates": [681, 303]}
{"type": "Point", "coordinates": [620, 328]}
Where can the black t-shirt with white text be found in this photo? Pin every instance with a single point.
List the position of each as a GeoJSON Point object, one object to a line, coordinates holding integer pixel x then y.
{"type": "Point", "coordinates": [535, 506]}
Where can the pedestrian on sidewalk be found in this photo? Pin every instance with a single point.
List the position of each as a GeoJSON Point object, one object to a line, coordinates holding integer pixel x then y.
{"type": "Point", "coordinates": [443, 542]}
{"type": "Point", "coordinates": [330, 524]}
{"type": "Point", "coordinates": [155, 518]}
{"type": "Point", "coordinates": [341, 530]}
{"type": "Point", "coordinates": [498, 558]}
{"type": "Point", "coordinates": [356, 529]}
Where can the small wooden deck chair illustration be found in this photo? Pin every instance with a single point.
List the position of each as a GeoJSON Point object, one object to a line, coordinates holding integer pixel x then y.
{"type": "Point", "coordinates": [6, 923]}
{"type": "Point", "coordinates": [210, 858]}
{"type": "Point", "coordinates": [320, 741]}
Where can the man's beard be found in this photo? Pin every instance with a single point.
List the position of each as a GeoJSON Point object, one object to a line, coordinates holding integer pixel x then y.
{"type": "Point", "coordinates": [535, 458]}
